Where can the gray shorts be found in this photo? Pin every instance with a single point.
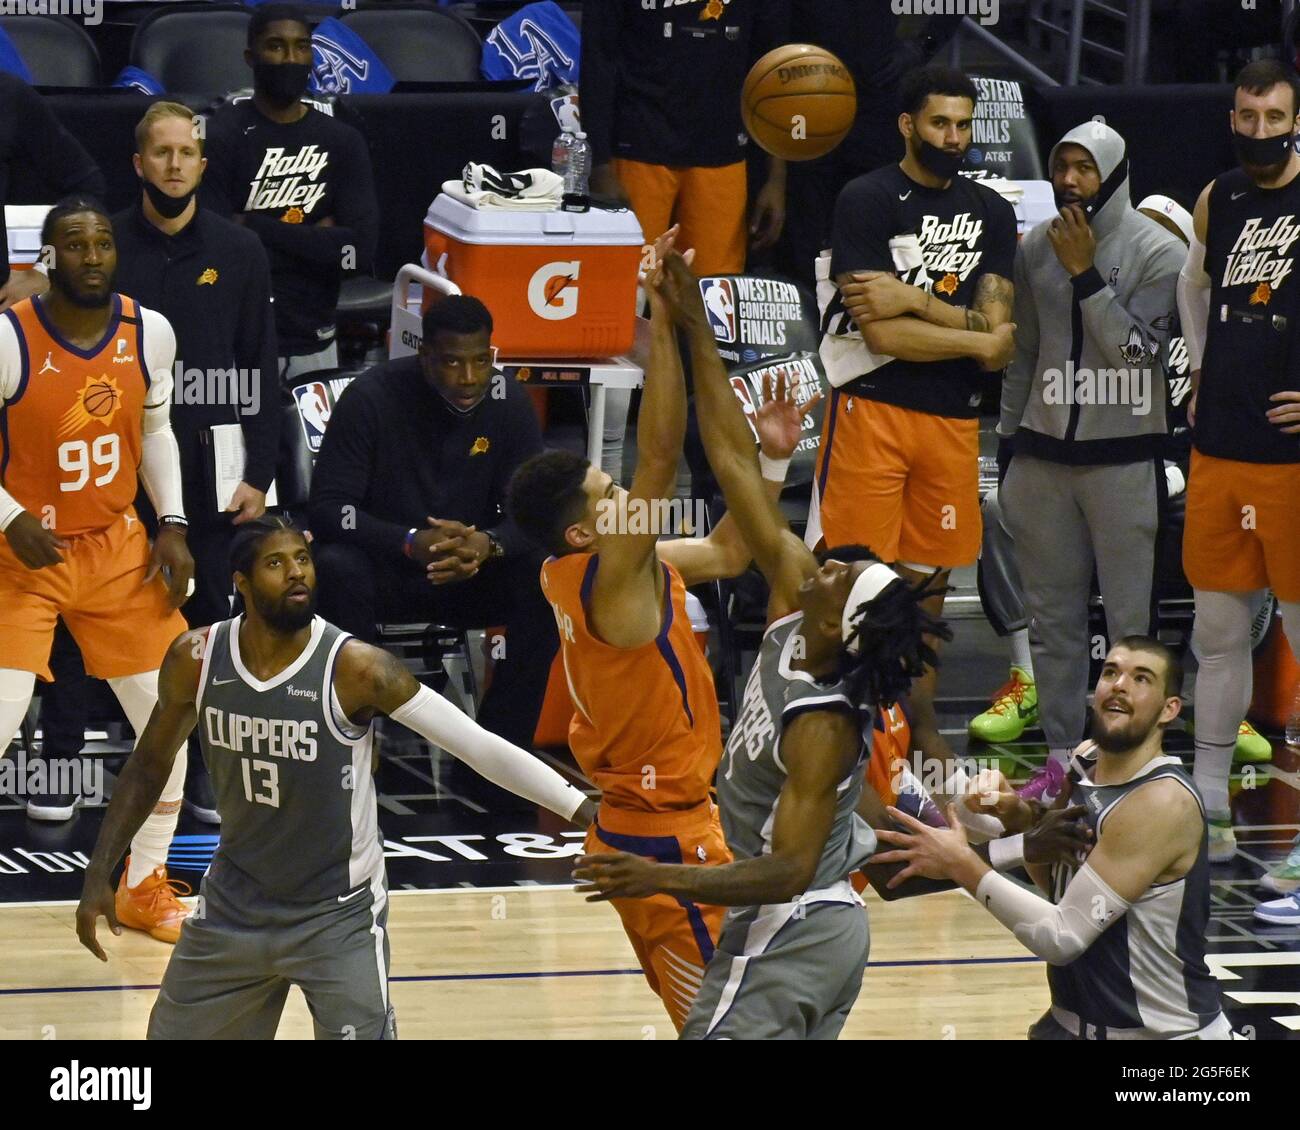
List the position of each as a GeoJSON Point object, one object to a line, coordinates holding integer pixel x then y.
{"type": "Point", "coordinates": [794, 979]}
{"type": "Point", "coordinates": [235, 962]}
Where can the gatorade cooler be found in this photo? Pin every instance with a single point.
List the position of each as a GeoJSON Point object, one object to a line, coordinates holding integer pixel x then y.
{"type": "Point", "coordinates": [23, 222]}
{"type": "Point", "coordinates": [559, 284]}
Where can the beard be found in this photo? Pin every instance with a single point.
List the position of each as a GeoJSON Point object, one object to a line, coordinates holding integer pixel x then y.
{"type": "Point", "coordinates": [1064, 199]}
{"type": "Point", "coordinates": [84, 299]}
{"type": "Point", "coordinates": [1120, 733]}
{"type": "Point", "coordinates": [281, 616]}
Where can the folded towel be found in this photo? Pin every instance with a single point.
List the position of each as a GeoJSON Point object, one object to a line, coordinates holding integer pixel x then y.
{"type": "Point", "coordinates": [529, 190]}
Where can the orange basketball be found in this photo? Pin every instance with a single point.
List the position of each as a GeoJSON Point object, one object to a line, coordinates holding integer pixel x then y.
{"type": "Point", "coordinates": [798, 102]}
{"type": "Point", "coordinates": [100, 399]}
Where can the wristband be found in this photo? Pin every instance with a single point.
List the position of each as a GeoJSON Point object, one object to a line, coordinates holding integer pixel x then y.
{"type": "Point", "coordinates": [1007, 852]}
{"type": "Point", "coordinates": [41, 268]}
{"type": "Point", "coordinates": [773, 470]}
{"type": "Point", "coordinates": [408, 542]}
{"type": "Point", "coordinates": [8, 512]}
{"type": "Point", "coordinates": [173, 520]}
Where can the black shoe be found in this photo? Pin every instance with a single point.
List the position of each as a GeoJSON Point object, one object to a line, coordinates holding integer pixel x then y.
{"type": "Point", "coordinates": [199, 798]}
{"type": "Point", "coordinates": [52, 807]}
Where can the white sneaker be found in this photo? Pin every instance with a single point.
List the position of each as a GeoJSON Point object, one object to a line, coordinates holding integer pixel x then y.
{"type": "Point", "coordinates": [1223, 840]}
{"type": "Point", "coordinates": [1285, 876]}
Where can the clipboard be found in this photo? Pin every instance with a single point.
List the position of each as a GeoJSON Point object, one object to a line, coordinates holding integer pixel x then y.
{"type": "Point", "coordinates": [225, 465]}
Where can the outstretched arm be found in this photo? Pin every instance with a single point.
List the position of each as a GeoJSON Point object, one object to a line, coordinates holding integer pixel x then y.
{"type": "Point", "coordinates": [785, 561]}
{"type": "Point", "coordinates": [819, 749]}
{"type": "Point", "coordinates": [370, 681]}
{"type": "Point", "coordinates": [142, 781]}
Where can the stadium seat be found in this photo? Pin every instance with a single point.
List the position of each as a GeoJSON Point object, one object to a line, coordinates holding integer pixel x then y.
{"type": "Point", "coordinates": [419, 43]}
{"type": "Point", "coordinates": [362, 314]}
{"type": "Point", "coordinates": [56, 49]}
{"type": "Point", "coordinates": [195, 48]}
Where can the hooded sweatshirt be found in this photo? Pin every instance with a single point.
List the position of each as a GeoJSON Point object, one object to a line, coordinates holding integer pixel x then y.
{"type": "Point", "coordinates": [1087, 383]}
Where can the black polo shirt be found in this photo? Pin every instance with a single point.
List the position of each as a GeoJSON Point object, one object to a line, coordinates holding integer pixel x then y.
{"type": "Point", "coordinates": [212, 283]}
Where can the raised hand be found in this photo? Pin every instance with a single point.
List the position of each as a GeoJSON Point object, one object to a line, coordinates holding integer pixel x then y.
{"type": "Point", "coordinates": [779, 421]}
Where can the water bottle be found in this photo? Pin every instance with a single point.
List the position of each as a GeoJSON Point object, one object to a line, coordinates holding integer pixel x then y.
{"type": "Point", "coordinates": [562, 154]}
{"type": "Point", "coordinates": [579, 172]}
{"type": "Point", "coordinates": [1293, 722]}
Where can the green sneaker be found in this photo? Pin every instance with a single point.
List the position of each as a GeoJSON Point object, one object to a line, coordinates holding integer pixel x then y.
{"type": "Point", "coordinates": [1252, 747]}
{"type": "Point", "coordinates": [1223, 840]}
{"type": "Point", "coordinates": [1285, 877]}
{"type": "Point", "coordinates": [1014, 709]}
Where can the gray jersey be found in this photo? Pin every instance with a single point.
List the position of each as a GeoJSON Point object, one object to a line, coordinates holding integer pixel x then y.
{"type": "Point", "coordinates": [1147, 974]}
{"type": "Point", "coordinates": [752, 774]}
{"type": "Point", "coordinates": [292, 775]}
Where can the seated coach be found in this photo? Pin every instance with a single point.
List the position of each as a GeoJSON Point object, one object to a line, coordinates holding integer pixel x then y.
{"type": "Point", "coordinates": [407, 507]}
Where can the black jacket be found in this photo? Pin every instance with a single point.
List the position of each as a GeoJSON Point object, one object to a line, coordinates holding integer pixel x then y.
{"type": "Point", "coordinates": [395, 454]}
{"type": "Point", "coordinates": [211, 282]}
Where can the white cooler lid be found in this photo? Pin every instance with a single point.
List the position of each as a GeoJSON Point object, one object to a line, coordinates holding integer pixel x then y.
{"type": "Point", "coordinates": [500, 225]}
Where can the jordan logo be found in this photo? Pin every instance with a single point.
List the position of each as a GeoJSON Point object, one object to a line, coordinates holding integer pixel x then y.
{"type": "Point", "coordinates": [129, 520]}
{"type": "Point", "coordinates": [49, 366]}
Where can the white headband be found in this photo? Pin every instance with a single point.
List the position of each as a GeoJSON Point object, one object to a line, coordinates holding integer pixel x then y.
{"type": "Point", "coordinates": [1175, 211]}
{"type": "Point", "coordinates": [870, 583]}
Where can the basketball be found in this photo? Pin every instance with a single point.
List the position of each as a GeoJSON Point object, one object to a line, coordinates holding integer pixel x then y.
{"type": "Point", "coordinates": [100, 399]}
{"type": "Point", "coordinates": [798, 102]}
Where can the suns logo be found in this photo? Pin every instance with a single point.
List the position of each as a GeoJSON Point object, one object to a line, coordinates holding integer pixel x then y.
{"type": "Point", "coordinates": [946, 285]}
{"type": "Point", "coordinates": [98, 399]}
{"type": "Point", "coordinates": [1261, 295]}
{"type": "Point", "coordinates": [208, 278]}
{"type": "Point", "coordinates": [480, 446]}
{"type": "Point", "coordinates": [292, 215]}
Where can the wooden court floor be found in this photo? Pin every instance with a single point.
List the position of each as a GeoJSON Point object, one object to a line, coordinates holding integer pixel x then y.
{"type": "Point", "coordinates": [536, 963]}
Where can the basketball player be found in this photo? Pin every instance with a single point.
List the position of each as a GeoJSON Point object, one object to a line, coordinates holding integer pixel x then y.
{"type": "Point", "coordinates": [296, 894]}
{"type": "Point", "coordinates": [1124, 933]}
{"type": "Point", "coordinates": [645, 730]}
{"type": "Point", "coordinates": [1240, 536]}
{"type": "Point", "coordinates": [916, 302]}
{"type": "Point", "coordinates": [85, 382]}
{"type": "Point", "coordinates": [845, 634]}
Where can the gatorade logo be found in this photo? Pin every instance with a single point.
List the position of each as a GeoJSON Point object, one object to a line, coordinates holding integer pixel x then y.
{"type": "Point", "coordinates": [553, 291]}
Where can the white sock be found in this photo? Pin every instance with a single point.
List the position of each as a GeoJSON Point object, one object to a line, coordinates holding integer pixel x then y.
{"type": "Point", "coordinates": [1211, 772]}
{"type": "Point", "coordinates": [1020, 656]}
{"type": "Point", "coordinates": [138, 695]}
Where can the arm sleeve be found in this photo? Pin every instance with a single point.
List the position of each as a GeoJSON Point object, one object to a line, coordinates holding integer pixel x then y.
{"type": "Point", "coordinates": [861, 231]}
{"type": "Point", "coordinates": [599, 71]}
{"type": "Point", "coordinates": [1144, 323]}
{"type": "Point", "coordinates": [1194, 303]}
{"type": "Point", "coordinates": [10, 374]}
{"type": "Point", "coordinates": [1058, 934]}
{"type": "Point", "coordinates": [160, 457]}
{"type": "Point", "coordinates": [255, 352]}
{"type": "Point", "coordinates": [355, 212]}
{"type": "Point", "coordinates": [437, 721]}
{"type": "Point", "coordinates": [1020, 373]}
{"type": "Point", "coordinates": [525, 442]}
{"type": "Point", "coordinates": [342, 479]}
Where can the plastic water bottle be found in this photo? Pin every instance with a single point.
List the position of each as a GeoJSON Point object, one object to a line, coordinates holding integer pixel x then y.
{"type": "Point", "coordinates": [562, 155]}
{"type": "Point", "coordinates": [1293, 722]}
{"type": "Point", "coordinates": [577, 178]}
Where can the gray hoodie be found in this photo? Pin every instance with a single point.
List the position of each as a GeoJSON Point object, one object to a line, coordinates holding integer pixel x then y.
{"type": "Point", "coordinates": [1087, 382]}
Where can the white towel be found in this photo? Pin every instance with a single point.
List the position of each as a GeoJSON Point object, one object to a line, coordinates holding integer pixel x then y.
{"type": "Point", "coordinates": [529, 190]}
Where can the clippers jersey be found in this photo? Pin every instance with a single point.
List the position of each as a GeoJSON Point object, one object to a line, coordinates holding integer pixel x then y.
{"type": "Point", "coordinates": [1252, 337]}
{"type": "Point", "coordinates": [1146, 973]}
{"type": "Point", "coordinates": [645, 728]}
{"type": "Point", "coordinates": [292, 776]}
{"type": "Point", "coordinates": [752, 775]}
{"type": "Point", "coordinates": [71, 425]}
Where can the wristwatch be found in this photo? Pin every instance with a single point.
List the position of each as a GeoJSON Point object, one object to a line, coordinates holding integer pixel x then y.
{"type": "Point", "coordinates": [495, 549]}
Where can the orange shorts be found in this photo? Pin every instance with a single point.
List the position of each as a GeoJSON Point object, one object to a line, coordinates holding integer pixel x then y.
{"type": "Point", "coordinates": [905, 484]}
{"type": "Point", "coordinates": [709, 203]}
{"type": "Point", "coordinates": [121, 626]}
{"type": "Point", "coordinates": [673, 938]}
{"type": "Point", "coordinates": [1241, 532]}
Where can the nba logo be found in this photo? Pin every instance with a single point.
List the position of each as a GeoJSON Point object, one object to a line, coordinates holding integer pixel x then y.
{"type": "Point", "coordinates": [313, 411]}
{"type": "Point", "coordinates": [720, 305]}
{"type": "Point", "coordinates": [748, 404]}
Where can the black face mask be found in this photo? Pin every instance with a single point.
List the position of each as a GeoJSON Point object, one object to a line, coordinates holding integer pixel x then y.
{"type": "Point", "coordinates": [168, 207]}
{"type": "Point", "coordinates": [282, 83]}
{"type": "Point", "coordinates": [1263, 152]}
{"type": "Point", "coordinates": [939, 161]}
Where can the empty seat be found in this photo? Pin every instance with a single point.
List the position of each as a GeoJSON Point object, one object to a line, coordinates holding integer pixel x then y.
{"type": "Point", "coordinates": [56, 49]}
{"type": "Point", "coordinates": [419, 43]}
{"type": "Point", "coordinates": [195, 49]}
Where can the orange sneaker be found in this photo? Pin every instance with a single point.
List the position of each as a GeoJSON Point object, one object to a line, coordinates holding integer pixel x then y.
{"type": "Point", "coordinates": [152, 906]}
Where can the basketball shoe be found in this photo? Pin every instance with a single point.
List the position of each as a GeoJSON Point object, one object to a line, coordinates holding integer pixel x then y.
{"type": "Point", "coordinates": [152, 906]}
{"type": "Point", "coordinates": [1284, 879]}
{"type": "Point", "coordinates": [1223, 840]}
{"type": "Point", "coordinates": [1045, 785]}
{"type": "Point", "coordinates": [1280, 912]}
{"type": "Point", "coordinates": [1014, 709]}
{"type": "Point", "coordinates": [1251, 747]}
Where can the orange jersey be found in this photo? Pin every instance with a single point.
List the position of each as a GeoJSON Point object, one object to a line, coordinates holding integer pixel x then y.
{"type": "Point", "coordinates": [645, 727]}
{"type": "Point", "coordinates": [70, 437]}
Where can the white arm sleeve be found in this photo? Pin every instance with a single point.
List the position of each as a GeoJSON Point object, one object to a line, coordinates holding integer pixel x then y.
{"type": "Point", "coordinates": [1194, 302]}
{"type": "Point", "coordinates": [1058, 934]}
{"type": "Point", "coordinates": [11, 370]}
{"type": "Point", "coordinates": [437, 721]}
{"type": "Point", "coordinates": [160, 457]}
